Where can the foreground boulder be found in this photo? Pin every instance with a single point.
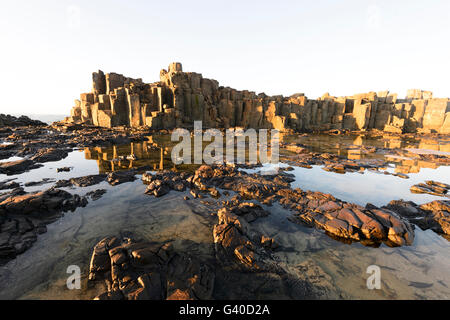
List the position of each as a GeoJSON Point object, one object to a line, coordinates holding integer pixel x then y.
{"type": "Point", "coordinates": [50, 154]}
{"type": "Point", "coordinates": [119, 177]}
{"type": "Point", "coordinates": [370, 225]}
{"type": "Point", "coordinates": [8, 184]}
{"type": "Point", "coordinates": [148, 271]}
{"type": "Point", "coordinates": [25, 215]}
{"type": "Point", "coordinates": [17, 167]}
{"type": "Point", "coordinates": [84, 181]}
{"type": "Point", "coordinates": [342, 220]}
{"type": "Point", "coordinates": [235, 242]}
{"type": "Point", "coordinates": [161, 183]}
{"type": "Point", "coordinates": [434, 215]}
{"type": "Point", "coordinates": [248, 261]}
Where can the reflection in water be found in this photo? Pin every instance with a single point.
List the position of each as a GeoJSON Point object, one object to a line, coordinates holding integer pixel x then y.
{"type": "Point", "coordinates": [412, 165]}
{"type": "Point", "coordinates": [402, 152]}
{"type": "Point", "coordinates": [125, 210]}
{"type": "Point", "coordinates": [126, 157]}
{"type": "Point", "coordinates": [154, 153]}
{"type": "Point", "coordinates": [370, 187]}
{"type": "Point", "coordinates": [417, 272]}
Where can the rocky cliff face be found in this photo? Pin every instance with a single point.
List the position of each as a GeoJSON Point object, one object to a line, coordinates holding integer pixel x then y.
{"type": "Point", "coordinates": [180, 98]}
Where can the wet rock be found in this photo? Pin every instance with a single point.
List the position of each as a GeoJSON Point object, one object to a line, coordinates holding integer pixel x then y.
{"type": "Point", "coordinates": [194, 193]}
{"type": "Point", "coordinates": [11, 193]}
{"type": "Point", "coordinates": [5, 154]}
{"type": "Point", "coordinates": [63, 184]}
{"type": "Point", "coordinates": [5, 147]}
{"type": "Point", "coordinates": [119, 177]}
{"type": "Point", "coordinates": [400, 175]}
{"type": "Point", "coordinates": [214, 192]}
{"type": "Point", "coordinates": [84, 181]}
{"type": "Point", "coordinates": [205, 171]}
{"type": "Point", "coordinates": [96, 194]}
{"type": "Point", "coordinates": [399, 231]}
{"type": "Point", "coordinates": [179, 186]}
{"type": "Point", "coordinates": [208, 179]}
{"type": "Point", "coordinates": [39, 203]}
{"type": "Point", "coordinates": [158, 188]}
{"type": "Point", "coordinates": [229, 234]}
{"type": "Point", "coordinates": [252, 186]}
{"type": "Point", "coordinates": [87, 181]}
{"type": "Point", "coordinates": [339, 219]}
{"type": "Point", "coordinates": [268, 243]}
{"type": "Point", "coordinates": [9, 184]}
{"type": "Point", "coordinates": [161, 191]}
{"type": "Point", "coordinates": [100, 260]}
{"type": "Point", "coordinates": [431, 187]}
{"type": "Point", "coordinates": [24, 215]}
{"type": "Point", "coordinates": [17, 167]}
{"type": "Point", "coordinates": [249, 211]}
{"type": "Point", "coordinates": [161, 183]}
{"type": "Point", "coordinates": [149, 271]}
{"type": "Point", "coordinates": [131, 157]}
{"type": "Point", "coordinates": [236, 243]}
{"type": "Point", "coordinates": [342, 220]}
{"type": "Point", "coordinates": [11, 121]}
{"type": "Point", "coordinates": [4, 131]}
{"type": "Point", "coordinates": [38, 183]}
{"type": "Point", "coordinates": [50, 154]}
{"type": "Point", "coordinates": [338, 168]}
{"type": "Point", "coordinates": [434, 215]}
{"type": "Point", "coordinates": [339, 164]}
{"type": "Point", "coordinates": [147, 177]}
{"type": "Point", "coordinates": [247, 256]}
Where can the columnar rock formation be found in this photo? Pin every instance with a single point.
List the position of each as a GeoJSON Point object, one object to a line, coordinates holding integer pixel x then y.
{"type": "Point", "coordinates": [180, 97]}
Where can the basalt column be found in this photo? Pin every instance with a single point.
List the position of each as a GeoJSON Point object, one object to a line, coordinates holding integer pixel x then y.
{"type": "Point", "coordinates": [180, 98]}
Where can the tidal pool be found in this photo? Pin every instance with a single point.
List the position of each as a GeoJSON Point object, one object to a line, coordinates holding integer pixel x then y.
{"type": "Point", "coordinates": [420, 271]}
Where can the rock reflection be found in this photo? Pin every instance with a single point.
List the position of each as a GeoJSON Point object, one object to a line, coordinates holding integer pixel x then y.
{"type": "Point", "coordinates": [151, 153]}
{"type": "Point", "coordinates": [406, 154]}
{"type": "Point", "coordinates": [155, 152]}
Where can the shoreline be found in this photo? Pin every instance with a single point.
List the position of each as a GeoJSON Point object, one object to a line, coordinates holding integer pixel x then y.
{"type": "Point", "coordinates": [254, 197]}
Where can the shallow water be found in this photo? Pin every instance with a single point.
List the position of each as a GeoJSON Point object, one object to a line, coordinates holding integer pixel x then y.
{"type": "Point", "coordinates": [368, 187]}
{"type": "Point", "coordinates": [426, 262]}
{"type": "Point", "coordinates": [418, 272]}
{"type": "Point", "coordinates": [124, 211]}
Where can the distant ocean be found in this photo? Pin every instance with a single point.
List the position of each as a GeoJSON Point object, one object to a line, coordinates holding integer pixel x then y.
{"type": "Point", "coordinates": [47, 118]}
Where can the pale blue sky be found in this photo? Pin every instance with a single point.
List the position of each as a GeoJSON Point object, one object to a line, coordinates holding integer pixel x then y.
{"type": "Point", "coordinates": [50, 48]}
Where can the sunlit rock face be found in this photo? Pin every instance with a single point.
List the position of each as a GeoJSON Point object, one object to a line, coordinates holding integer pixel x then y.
{"type": "Point", "coordinates": [180, 98]}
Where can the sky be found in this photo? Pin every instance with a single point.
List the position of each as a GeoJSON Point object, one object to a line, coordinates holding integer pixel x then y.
{"type": "Point", "coordinates": [49, 49]}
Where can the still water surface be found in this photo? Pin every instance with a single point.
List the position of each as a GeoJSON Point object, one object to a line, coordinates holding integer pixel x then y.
{"type": "Point", "coordinates": [417, 272]}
